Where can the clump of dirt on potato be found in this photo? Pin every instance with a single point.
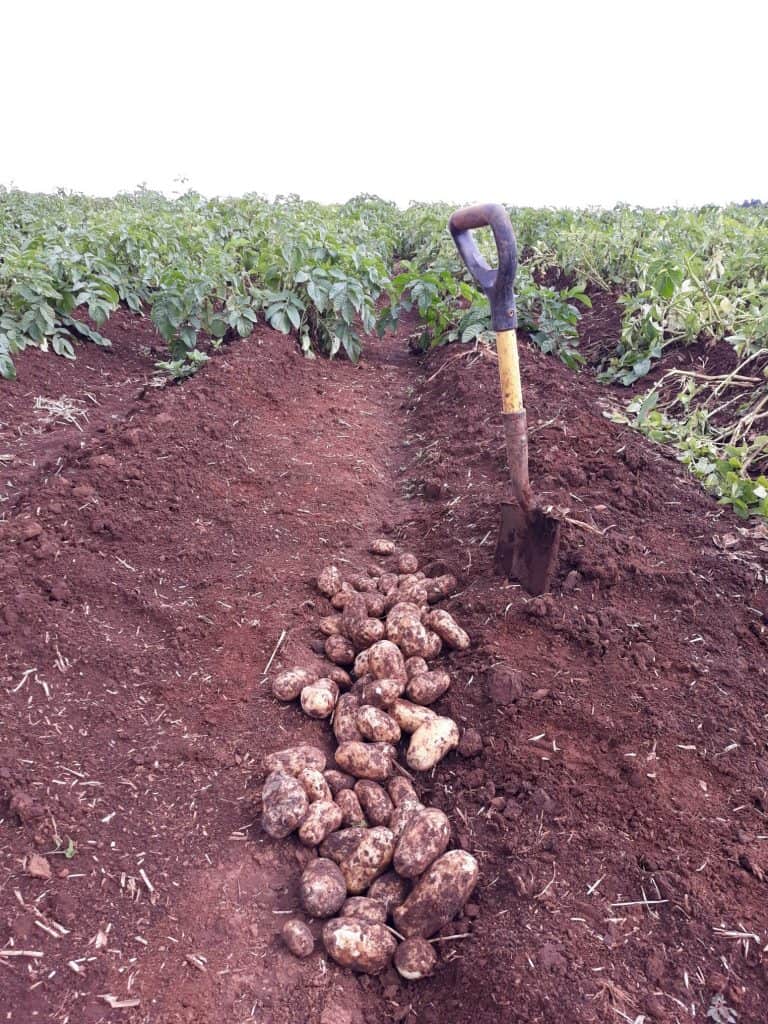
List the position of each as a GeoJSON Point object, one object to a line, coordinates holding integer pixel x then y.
{"type": "Point", "coordinates": [380, 855]}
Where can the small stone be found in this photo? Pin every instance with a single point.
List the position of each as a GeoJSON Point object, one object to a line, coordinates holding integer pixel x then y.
{"type": "Point", "coordinates": [471, 743]}
{"type": "Point", "coordinates": [503, 684]}
{"type": "Point", "coordinates": [38, 867]}
{"type": "Point", "coordinates": [298, 938]}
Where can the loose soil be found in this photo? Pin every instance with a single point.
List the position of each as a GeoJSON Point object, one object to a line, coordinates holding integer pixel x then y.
{"type": "Point", "coordinates": [159, 545]}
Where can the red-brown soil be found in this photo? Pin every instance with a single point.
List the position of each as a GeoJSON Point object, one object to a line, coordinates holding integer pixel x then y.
{"type": "Point", "coordinates": [154, 554]}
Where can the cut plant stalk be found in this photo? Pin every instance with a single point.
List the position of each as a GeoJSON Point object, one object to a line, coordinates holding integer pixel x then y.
{"type": "Point", "coordinates": [529, 537]}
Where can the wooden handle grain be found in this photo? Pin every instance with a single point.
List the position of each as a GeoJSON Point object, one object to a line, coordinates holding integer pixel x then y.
{"type": "Point", "coordinates": [509, 371]}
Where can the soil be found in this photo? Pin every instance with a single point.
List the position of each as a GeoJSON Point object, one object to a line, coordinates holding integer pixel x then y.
{"type": "Point", "coordinates": [158, 555]}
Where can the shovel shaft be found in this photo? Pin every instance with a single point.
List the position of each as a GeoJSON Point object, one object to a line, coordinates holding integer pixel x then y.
{"type": "Point", "coordinates": [509, 372]}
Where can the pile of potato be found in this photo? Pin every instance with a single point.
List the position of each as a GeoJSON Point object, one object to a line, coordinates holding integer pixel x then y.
{"type": "Point", "coordinates": [382, 855]}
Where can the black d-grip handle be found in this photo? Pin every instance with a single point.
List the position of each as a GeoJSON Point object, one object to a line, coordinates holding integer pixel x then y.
{"type": "Point", "coordinates": [498, 285]}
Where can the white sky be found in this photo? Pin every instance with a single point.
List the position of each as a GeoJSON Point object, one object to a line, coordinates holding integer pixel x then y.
{"type": "Point", "coordinates": [549, 102]}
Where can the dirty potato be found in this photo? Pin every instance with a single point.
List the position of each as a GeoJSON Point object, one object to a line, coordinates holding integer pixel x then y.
{"type": "Point", "coordinates": [295, 759]}
{"type": "Point", "coordinates": [318, 701]}
{"type": "Point", "coordinates": [374, 603]}
{"type": "Point", "coordinates": [365, 760]}
{"type": "Point", "coordinates": [284, 804]}
{"type": "Point", "coordinates": [387, 582]}
{"type": "Point", "coordinates": [322, 889]}
{"type": "Point", "coordinates": [360, 667]}
{"type": "Point", "coordinates": [407, 563]}
{"type": "Point", "coordinates": [329, 582]}
{"type": "Point", "coordinates": [340, 650]}
{"type": "Point", "coordinates": [431, 742]}
{"type": "Point", "coordinates": [344, 719]}
{"type": "Point", "coordinates": [415, 959]}
{"type": "Point", "coordinates": [351, 812]}
{"type": "Point", "coordinates": [340, 677]}
{"type": "Point", "coordinates": [322, 818]}
{"type": "Point", "coordinates": [402, 814]}
{"type": "Point", "coordinates": [405, 629]}
{"type": "Point", "coordinates": [399, 789]}
{"type": "Point", "coordinates": [315, 785]}
{"type": "Point", "coordinates": [446, 627]}
{"type": "Point", "coordinates": [427, 687]}
{"type": "Point", "coordinates": [382, 546]}
{"type": "Point", "coordinates": [370, 858]}
{"type": "Point", "coordinates": [415, 667]}
{"type": "Point", "coordinates": [361, 946]}
{"type": "Point", "coordinates": [375, 802]}
{"type": "Point", "coordinates": [288, 685]}
{"type": "Point", "coordinates": [381, 692]}
{"type": "Point", "coordinates": [330, 625]}
{"type": "Point", "coordinates": [389, 889]}
{"type": "Point", "coordinates": [438, 895]}
{"type": "Point", "coordinates": [432, 645]}
{"type": "Point", "coordinates": [298, 938]}
{"type": "Point", "coordinates": [425, 837]}
{"type": "Point", "coordinates": [339, 845]}
{"type": "Point", "coordinates": [376, 725]}
{"type": "Point", "coordinates": [341, 597]}
{"type": "Point", "coordinates": [440, 587]}
{"type": "Point", "coordinates": [363, 908]}
{"type": "Point", "coordinates": [385, 660]}
{"type": "Point", "coordinates": [338, 780]}
{"type": "Point", "coordinates": [409, 716]}
{"type": "Point", "coordinates": [413, 591]}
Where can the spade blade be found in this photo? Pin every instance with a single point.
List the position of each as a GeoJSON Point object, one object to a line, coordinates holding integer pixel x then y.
{"type": "Point", "coordinates": [528, 546]}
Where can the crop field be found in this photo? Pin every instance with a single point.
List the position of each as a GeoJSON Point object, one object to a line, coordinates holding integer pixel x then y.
{"type": "Point", "coordinates": [251, 466]}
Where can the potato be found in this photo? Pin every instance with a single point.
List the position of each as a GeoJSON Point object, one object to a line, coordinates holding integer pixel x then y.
{"type": "Point", "coordinates": [330, 625]}
{"type": "Point", "coordinates": [415, 959]}
{"type": "Point", "coordinates": [382, 546]}
{"type": "Point", "coordinates": [315, 785]}
{"type": "Point", "coordinates": [370, 632]}
{"type": "Point", "coordinates": [381, 692]}
{"type": "Point", "coordinates": [415, 667]}
{"type": "Point", "coordinates": [329, 582]}
{"type": "Point", "coordinates": [407, 563]}
{"type": "Point", "coordinates": [413, 592]}
{"type": "Point", "coordinates": [400, 789]}
{"type": "Point", "coordinates": [364, 760]}
{"type": "Point", "coordinates": [375, 605]}
{"type": "Point", "coordinates": [285, 804]}
{"type": "Point", "coordinates": [344, 719]}
{"type": "Point", "coordinates": [373, 798]}
{"type": "Point", "coordinates": [409, 716]}
{"type": "Point", "coordinates": [288, 685]}
{"type": "Point", "coordinates": [446, 627]}
{"type": "Point", "coordinates": [385, 661]}
{"type": "Point", "coordinates": [298, 938]}
{"type": "Point", "coordinates": [438, 895]}
{"type": "Point", "coordinates": [295, 759]}
{"type": "Point", "coordinates": [432, 646]}
{"type": "Point", "coordinates": [365, 584]}
{"type": "Point", "coordinates": [374, 570]}
{"type": "Point", "coordinates": [431, 742]}
{"type": "Point", "coordinates": [425, 837]}
{"type": "Point", "coordinates": [402, 814]}
{"type": "Point", "coordinates": [351, 812]}
{"type": "Point", "coordinates": [355, 612]}
{"type": "Point", "coordinates": [340, 677]}
{"type": "Point", "coordinates": [340, 845]}
{"type": "Point", "coordinates": [370, 858]}
{"type": "Point", "coordinates": [323, 817]}
{"type": "Point", "coordinates": [362, 908]}
{"type": "Point", "coordinates": [360, 666]}
{"type": "Point", "coordinates": [322, 889]}
{"type": "Point", "coordinates": [338, 780]}
{"type": "Point", "coordinates": [389, 889]}
{"type": "Point", "coordinates": [440, 587]}
{"type": "Point", "coordinates": [376, 725]}
{"type": "Point", "coordinates": [387, 582]}
{"type": "Point", "coordinates": [340, 598]}
{"type": "Point", "coordinates": [340, 650]}
{"type": "Point", "coordinates": [364, 947]}
{"type": "Point", "coordinates": [404, 628]}
{"type": "Point", "coordinates": [427, 687]}
{"type": "Point", "coordinates": [318, 701]}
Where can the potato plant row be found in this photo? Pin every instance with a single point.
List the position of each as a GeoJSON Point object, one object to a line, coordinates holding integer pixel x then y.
{"type": "Point", "coordinates": [382, 855]}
